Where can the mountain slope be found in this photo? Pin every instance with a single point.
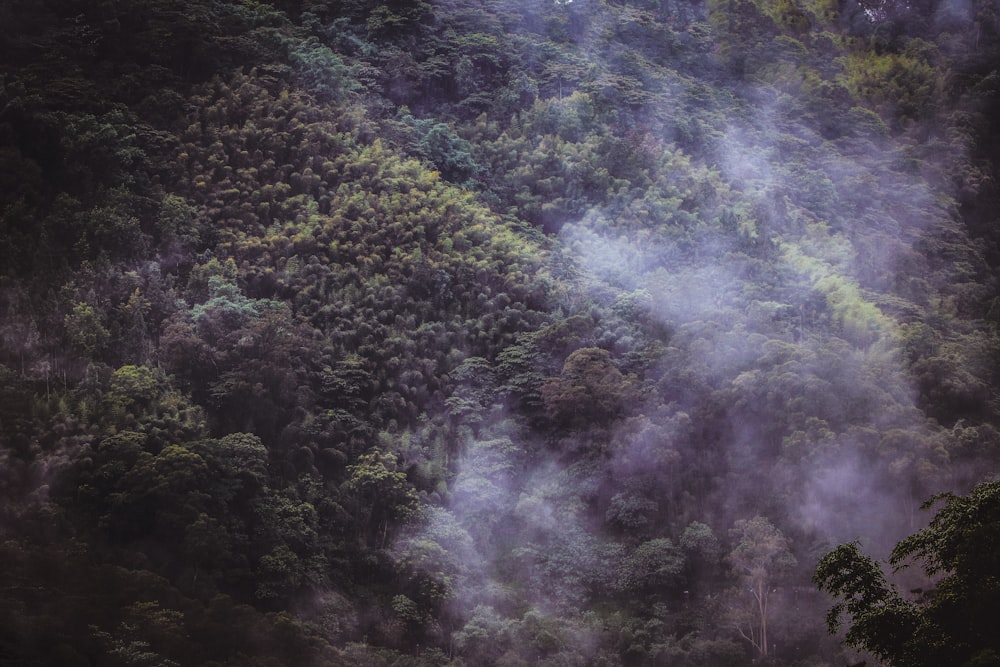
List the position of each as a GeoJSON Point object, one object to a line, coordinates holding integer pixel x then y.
{"type": "Point", "coordinates": [471, 333]}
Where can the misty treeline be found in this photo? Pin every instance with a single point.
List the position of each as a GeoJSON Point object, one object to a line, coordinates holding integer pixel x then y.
{"type": "Point", "coordinates": [482, 333]}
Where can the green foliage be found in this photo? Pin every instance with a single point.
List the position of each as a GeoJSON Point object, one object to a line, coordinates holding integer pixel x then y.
{"type": "Point", "coordinates": [484, 636]}
{"type": "Point", "coordinates": [653, 566]}
{"type": "Point", "coordinates": [322, 72]}
{"type": "Point", "coordinates": [948, 621]}
{"type": "Point", "coordinates": [85, 331]}
{"type": "Point", "coordinates": [422, 333]}
{"type": "Point", "coordinates": [383, 491]}
{"type": "Point", "coordinates": [903, 85]}
{"type": "Point", "coordinates": [761, 557]}
{"type": "Point", "coordinates": [438, 144]}
{"type": "Point", "coordinates": [590, 388]}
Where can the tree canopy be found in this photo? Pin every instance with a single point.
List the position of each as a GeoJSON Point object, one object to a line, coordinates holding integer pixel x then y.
{"type": "Point", "coordinates": [949, 621]}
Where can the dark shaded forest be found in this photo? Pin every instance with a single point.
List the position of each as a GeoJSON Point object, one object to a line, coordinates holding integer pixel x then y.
{"type": "Point", "coordinates": [557, 333]}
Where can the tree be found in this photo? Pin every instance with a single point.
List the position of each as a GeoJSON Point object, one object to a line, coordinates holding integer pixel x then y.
{"type": "Point", "coordinates": [655, 566]}
{"type": "Point", "coordinates": [486, 635]}
{"type": "Point", "coordinates": [86, 334]}
{"type": "Point", "coordinates": [384, 491]}
{"type": "Point", "coordinates": [952, 623]}
{"type": "Point", "coordinates": [590, 389]}
{"type": "Point", "coordinates": [760, 557]}
{"type": "Point", "coordinates": [702, 553]}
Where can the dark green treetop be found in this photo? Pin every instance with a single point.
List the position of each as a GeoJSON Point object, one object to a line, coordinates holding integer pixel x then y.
{"type": "Point", "coordinates": [951, 623]}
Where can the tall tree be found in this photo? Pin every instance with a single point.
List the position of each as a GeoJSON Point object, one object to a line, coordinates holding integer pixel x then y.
{"type": "Point", "coordinates": [761, 556]}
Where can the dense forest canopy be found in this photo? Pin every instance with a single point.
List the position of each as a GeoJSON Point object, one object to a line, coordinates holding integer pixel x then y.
{"type": "Point", "coordinates": [569, 332]}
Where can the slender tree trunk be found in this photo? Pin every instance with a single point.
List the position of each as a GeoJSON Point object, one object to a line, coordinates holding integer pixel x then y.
{"type": "Point", "coordinates": [763, 622]}
{"type": "Point", "coordinates": [760, 594]}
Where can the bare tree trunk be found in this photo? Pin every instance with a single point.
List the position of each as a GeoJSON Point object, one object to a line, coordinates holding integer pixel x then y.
{"type": "Point", "coordinates": [763, 621]}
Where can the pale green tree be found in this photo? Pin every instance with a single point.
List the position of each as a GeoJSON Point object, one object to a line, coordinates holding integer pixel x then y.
{"type": "Point", "coordinates": [760, 557]}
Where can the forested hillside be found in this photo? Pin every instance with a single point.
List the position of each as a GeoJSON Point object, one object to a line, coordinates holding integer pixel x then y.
{"type": "Point", "coordinates": [558, 333]}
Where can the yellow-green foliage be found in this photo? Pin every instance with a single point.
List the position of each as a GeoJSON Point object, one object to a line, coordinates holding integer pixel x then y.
{"type": "Point", "coordinates": [825, 11]}
{"type": "Point", "coordinates": [789, 15]}
{"type": "Point", "coordinates": [859, 320]}
{"type": "Point", "coordinates": [898, 85]}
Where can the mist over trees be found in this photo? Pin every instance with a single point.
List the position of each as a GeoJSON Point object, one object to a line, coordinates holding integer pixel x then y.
{"type": "Point", "coordinates": [481, 333]}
